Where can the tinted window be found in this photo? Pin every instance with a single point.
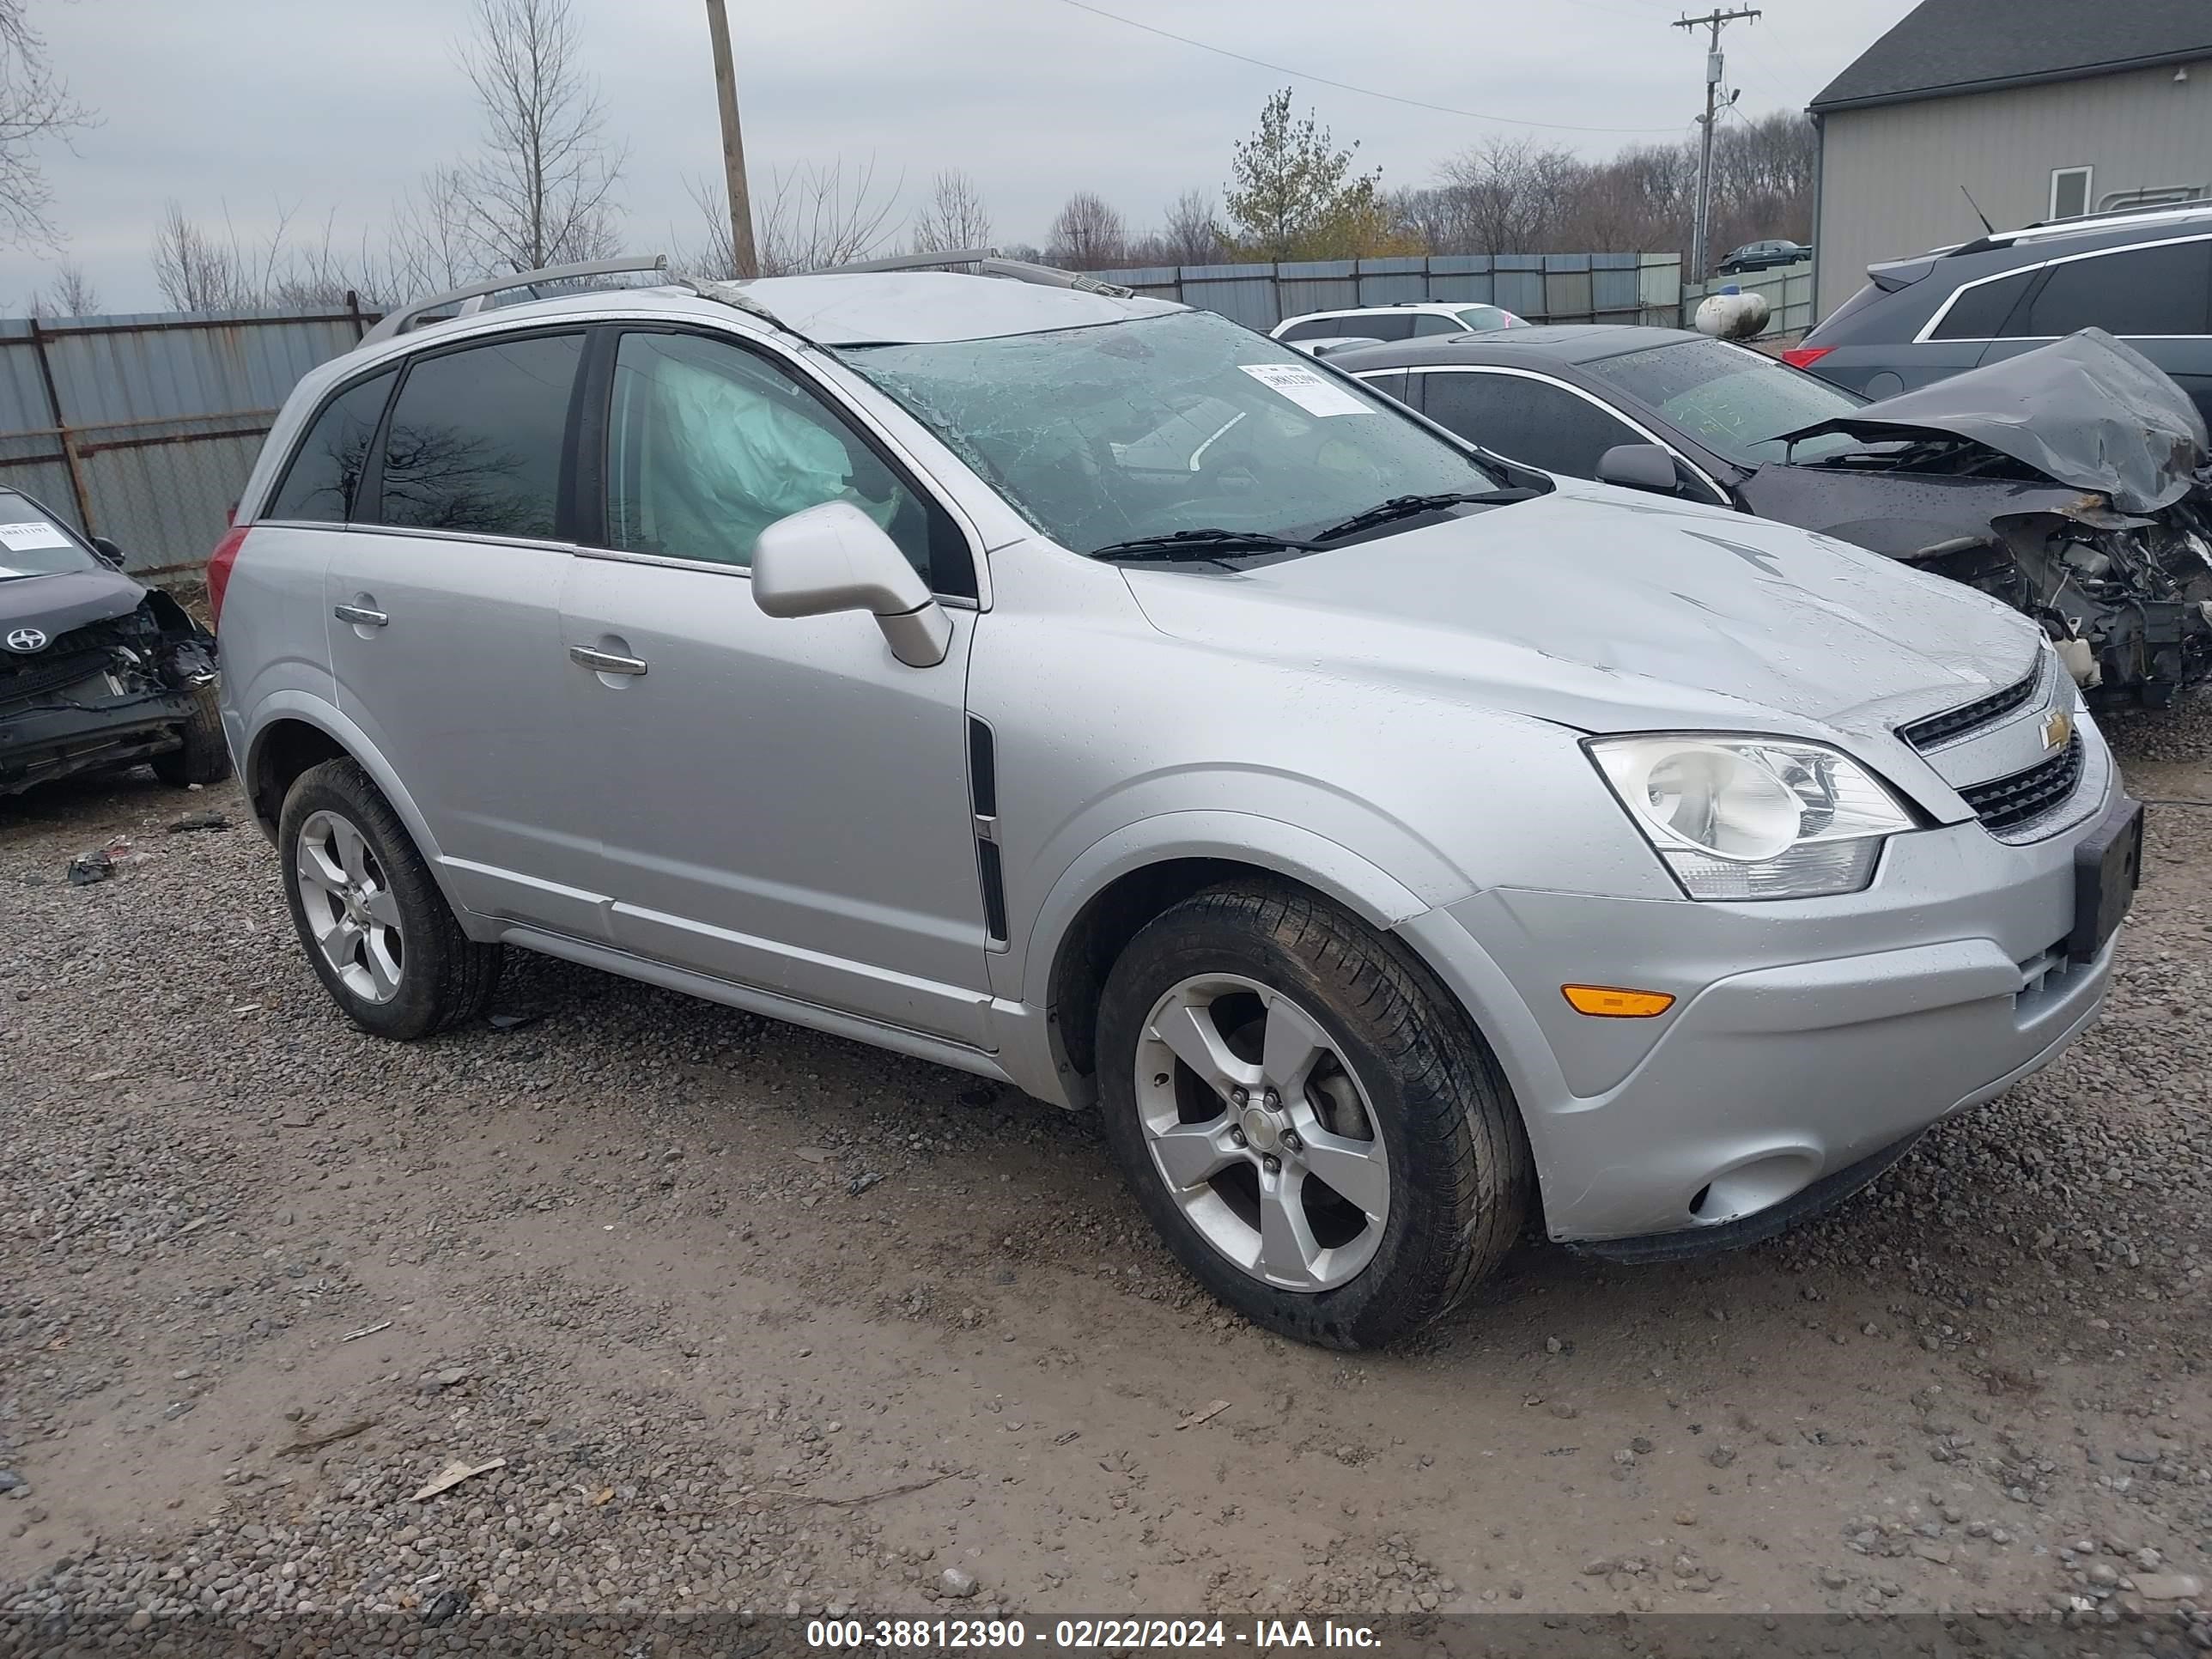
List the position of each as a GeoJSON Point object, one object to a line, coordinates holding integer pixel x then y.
{"type": "Point", "coordinates": [1320, 328]}
{"type": "Point", "coordinates": [2152, 290]}
{"type": "Point", "coordinates": [1536, 421]}
{"type": "Point", "coordinates": [1396, 385]}
{"type": "Point", "coordinates": [1378, 325]}
{"type": "Point", "coordinates": [475, 439]}
{"type": "Point", "coordinates": [1979, 313]}
{"type": "Point", "coordinates": [711, 444]}
{"type": "Point", "coordinates": [320, 483]}
{"type": "Point", "coordinates": [1429, 323]}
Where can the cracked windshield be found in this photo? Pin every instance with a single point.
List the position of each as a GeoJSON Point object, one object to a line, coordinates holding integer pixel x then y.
{"type": "Point", "coordinates": [1134, 431]}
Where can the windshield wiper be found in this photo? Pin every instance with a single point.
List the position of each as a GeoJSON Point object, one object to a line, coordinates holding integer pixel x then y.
{"type": "Point", "coordinates": [1407, 506]}
{"type": "Point", "coordinates": [1200, 545]}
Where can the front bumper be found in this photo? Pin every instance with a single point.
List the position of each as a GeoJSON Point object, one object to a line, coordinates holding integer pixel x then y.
{"type": "Point", "coordinates": [1807, 1036]}
{"type": "Point", "coordinates": [47, 741]}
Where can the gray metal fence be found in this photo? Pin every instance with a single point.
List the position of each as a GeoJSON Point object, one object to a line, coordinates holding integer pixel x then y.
{"type": "Point", "coordinates": [142, 428]}
{"type": "Point", "coordinates": [1548, 287]}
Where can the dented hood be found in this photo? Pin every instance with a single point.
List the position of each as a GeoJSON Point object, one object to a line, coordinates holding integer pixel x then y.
{"type": "Point", "coordinates": [1610, 610]}
{"type": "Point", "coordinates": [2088, 411]}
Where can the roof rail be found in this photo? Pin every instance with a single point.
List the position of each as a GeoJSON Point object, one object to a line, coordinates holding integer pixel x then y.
{"type": "Point", "coordinates": [958, 256]}
{"type": "Point", "coordinates": [1021, 270]}
{"type": "Point", "coordinates": [987, 262]}
{"type": "Point", "coordinates": [471, 297]}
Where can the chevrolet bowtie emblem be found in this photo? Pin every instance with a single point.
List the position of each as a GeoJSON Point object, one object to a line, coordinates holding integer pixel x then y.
{"type": "Point", "coordinates": [2058, 730]}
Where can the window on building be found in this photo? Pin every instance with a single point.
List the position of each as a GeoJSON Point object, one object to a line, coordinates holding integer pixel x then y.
{"type": "Point", "coordinates": [2070, 191]}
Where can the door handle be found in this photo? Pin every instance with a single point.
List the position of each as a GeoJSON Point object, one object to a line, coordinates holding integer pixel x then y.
{"type": "Point", "coordinates": [605, 662]}
{"type": "Point", "coordinates": [359, 616]}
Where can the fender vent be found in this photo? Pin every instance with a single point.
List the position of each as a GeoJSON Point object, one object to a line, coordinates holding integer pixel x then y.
{"type": "Point", "coordinates": [983, 796]}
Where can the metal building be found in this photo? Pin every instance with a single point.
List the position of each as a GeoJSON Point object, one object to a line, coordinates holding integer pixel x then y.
{"type": "Point", "coordinates": [2041, 109]}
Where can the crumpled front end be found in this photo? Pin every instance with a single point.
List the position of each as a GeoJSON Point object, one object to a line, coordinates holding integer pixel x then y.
{"type": "Point", "coordinates": [108, 693]}
{"type": "Point", "coordinates": [2127, 597]}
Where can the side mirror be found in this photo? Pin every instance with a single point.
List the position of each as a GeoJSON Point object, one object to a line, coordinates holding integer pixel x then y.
{"type": "Point", "coordinates": [108, 550]}
{"type": "Point", "coordinates": [834, 557]}
{"type": "Point", "coordinates": [1639, 466]}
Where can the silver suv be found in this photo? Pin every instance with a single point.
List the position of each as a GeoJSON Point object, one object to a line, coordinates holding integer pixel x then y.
{"type": "Point", "coordinates": [1086, 692]}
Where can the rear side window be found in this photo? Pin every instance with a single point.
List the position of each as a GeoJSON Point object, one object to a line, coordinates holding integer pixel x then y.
{"type": "Point", "coordinates": [1536, 421]}
{"type": "Point", "coordinates": [324, 476]}
{"type": "Point", "coordinates": [1318, 328]}
{"type": "Point", "coordinates": [475, 439]}
{"type": "Point", "coordinates": [1398, 385]}
{"type": "Point", "coordinates": [1429, 323]}
{"type": "Point", "coordinates": [1378, 325]}
{"type": "Point", "coordinates": [2150, 290]}
{"type": "Point", "coordinates": [1979, 313]}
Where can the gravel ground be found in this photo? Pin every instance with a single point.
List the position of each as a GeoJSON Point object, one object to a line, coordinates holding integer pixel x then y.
{"type": "Point", "coordinates": [726, 1315]}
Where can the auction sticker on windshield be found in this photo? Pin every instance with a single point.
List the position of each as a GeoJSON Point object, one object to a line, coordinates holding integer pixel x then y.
{"type": "Point", "coordinates": [1308, 390]}
{"type": "Point", "coordinates": [23, 537]}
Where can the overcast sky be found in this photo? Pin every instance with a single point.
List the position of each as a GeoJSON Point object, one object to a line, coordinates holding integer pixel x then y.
{"type": "Point", "coordinates": [237, 106]}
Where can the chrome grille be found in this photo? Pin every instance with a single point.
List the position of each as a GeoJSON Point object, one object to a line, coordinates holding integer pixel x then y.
{"type": "Point", "coordinates": [2009, 803]}
{"type": "Point", "coordinates": [1933, 729]}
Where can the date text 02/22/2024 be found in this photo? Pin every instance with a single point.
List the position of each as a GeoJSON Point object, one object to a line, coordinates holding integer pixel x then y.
{"type": "Point", "coordinates": [1083, 1634]}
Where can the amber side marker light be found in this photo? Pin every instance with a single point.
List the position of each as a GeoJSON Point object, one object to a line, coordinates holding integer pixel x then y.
{"type": "Point", "coordinates": [1610, 1002]}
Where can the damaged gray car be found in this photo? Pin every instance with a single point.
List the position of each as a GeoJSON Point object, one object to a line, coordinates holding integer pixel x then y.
{"type": "Point", "coordinates": [96, 669]}
{"type": "Point", "coordinates": [2070, 481]}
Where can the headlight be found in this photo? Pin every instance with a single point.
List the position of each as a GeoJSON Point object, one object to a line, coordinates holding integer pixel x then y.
{"type": "Point", "coordinates": [1752, 818]}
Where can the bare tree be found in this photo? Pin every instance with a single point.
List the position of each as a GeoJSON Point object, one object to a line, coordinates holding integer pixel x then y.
{"type": "Point", "coordinates": [198, 271]}
{"type": "Point", "coordinates": [34, 107]}
{"type": "Point", "coordinates": [812, 217]}
{"type": "Point", "coordinates": [1193, 234]}
{"type": "Point", "coordinates": [429, 248]}
{"type": "Point", "coordinates": [70, 294]}
{"type": "Point", "coordinates": [542, 193]}
{"type": "Point", "coordinates": [1087, 234]}
{"type": "Point", "coordinates": [1505, 196]}
{"type": "Point", "coordinates": [953, 217]}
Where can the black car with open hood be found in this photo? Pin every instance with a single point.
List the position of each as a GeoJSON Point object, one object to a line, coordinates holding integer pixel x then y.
{"type": "Point", "coordinates": [2070, 481]}
{"type": "Point", "coordinates": [96, 669]}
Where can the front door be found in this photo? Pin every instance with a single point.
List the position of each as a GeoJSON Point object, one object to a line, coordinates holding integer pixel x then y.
{"type": "Point", "coordinates": [783, 802]}
{"type": "Point", "coordinates": [443, 608]}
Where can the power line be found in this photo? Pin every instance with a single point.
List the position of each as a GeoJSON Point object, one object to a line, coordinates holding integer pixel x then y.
{"type": "Point", "coordinates": [1343, 86]}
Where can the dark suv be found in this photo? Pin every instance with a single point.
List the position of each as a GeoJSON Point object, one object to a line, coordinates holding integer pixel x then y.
{"type": "Point", "coordinates": [2144, 275]}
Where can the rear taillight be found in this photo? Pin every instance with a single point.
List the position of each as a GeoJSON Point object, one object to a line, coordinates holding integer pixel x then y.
{"type": "Point", "coordinates": [1804, 356]}
{"type": "Point", "coordinates": [218, 572]}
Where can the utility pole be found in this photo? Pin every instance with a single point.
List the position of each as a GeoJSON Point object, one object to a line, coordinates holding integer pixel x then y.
{"type": "Point", "coordinates": [741, 253]}
{"type": "Point", "coordinates": [1713, 20]}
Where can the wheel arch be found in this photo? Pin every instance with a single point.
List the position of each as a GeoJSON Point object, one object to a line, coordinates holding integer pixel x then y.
{"type": "Point", "coordinates": [1130, 877]}
{"type": "Point", "coordinates": [294, 732]}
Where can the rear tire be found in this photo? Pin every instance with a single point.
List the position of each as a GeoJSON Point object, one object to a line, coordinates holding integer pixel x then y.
{"type": "Point", "coordinates": [377, 932]}
{"type": "Point", "coordinates": [204, 756]}
{"type": "Point", "coordinates": [1366, 1166]}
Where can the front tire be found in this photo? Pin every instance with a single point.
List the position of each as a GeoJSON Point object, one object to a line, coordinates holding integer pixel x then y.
{"type": "Point", "coordinates": [203, 756]}
{"type": "Point", "coordinates": [1307, 1116]}
{"type": "Point", "coordinates": [377, 932]}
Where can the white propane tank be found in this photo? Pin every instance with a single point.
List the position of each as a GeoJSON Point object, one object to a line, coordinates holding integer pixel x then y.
{"type": "Point", "coordinates": [1732, 314]}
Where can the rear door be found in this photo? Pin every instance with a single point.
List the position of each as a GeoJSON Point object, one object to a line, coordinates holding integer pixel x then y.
{"type": "Point", "coordinates": [445, 624]}
{"type": "Point", "coordinates": [2157, 298]}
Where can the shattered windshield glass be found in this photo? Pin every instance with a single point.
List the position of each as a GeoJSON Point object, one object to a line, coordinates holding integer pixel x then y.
{"type": "Point", "coordinates": [1136, 430]}
{"type": "Point", "coordinates": [1733, 400]}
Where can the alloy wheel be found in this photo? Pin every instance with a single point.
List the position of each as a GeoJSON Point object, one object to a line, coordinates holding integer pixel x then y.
{"type": "Point", "coordinates": [1264, 1135]}
{"type": "Point", "coordinates": [349, 906]}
